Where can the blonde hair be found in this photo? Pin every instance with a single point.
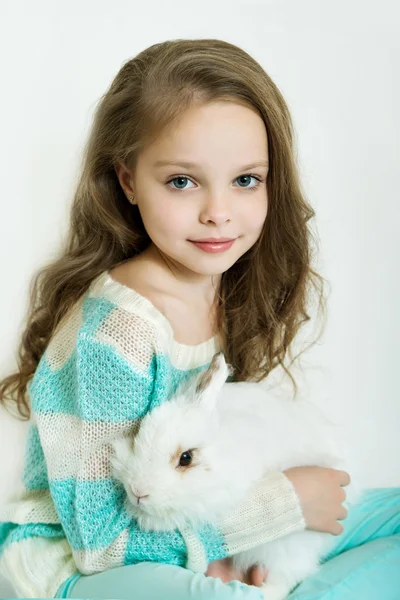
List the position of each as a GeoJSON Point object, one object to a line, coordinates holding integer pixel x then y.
{"type": "Point", "coordinates": [262, 300]}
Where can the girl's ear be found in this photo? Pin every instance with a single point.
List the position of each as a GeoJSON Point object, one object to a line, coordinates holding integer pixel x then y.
{"type": "Point", "coordinates": [211, 381]}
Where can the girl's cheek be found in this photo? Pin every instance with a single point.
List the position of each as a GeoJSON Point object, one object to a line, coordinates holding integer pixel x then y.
{"type": "Point", "coordinates": [254, 217]}
{"type": "Point", "coordinates": [167, 219]}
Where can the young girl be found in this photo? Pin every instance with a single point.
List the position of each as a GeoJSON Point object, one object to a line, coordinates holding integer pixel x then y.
{"type": "Point", "coordinates": [188, 235]}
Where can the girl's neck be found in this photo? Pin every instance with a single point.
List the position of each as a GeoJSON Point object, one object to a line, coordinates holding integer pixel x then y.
{"type": "Point", "coordinates": [191, 313]}
{"type": "Point", "coordinates": [171, 278]}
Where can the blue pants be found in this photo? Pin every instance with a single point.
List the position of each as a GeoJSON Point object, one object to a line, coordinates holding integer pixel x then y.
{"type": "Point", "coordinates": [363, 565]}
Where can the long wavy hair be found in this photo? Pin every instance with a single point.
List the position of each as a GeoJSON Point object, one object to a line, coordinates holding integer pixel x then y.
{"type": "Point", "coordinates": [262, 299]}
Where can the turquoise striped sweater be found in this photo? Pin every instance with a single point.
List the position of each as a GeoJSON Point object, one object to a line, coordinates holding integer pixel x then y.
{"type": "Point", "coordinates": [111, 360]}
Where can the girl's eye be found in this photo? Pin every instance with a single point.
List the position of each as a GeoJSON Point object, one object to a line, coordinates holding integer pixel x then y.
{"type": "Point", "coordinates": [180, 178]}
{"type": "Point", "coordinates": [246, 177]}
{"type": "Point", "coordinates": [185, 459]}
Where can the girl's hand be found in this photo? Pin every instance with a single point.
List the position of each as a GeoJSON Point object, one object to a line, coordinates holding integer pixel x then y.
{"type": "Point", "coordinates": [320, 491]}
{"type": "Point", "coordinates": [224, 569]}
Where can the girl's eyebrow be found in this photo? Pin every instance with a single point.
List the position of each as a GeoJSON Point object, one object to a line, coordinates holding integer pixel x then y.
{"type": "Point", "coordinates": [191, 165]}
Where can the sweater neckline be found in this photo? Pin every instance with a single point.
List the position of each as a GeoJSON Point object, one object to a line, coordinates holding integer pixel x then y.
{"type": "Point", "coordinates": [183, 355]}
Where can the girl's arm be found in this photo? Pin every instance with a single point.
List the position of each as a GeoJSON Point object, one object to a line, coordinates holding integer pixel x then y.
{"type": "Point", "coordinates": [299, 498]}
{"type": "Point", "coordinates": [271, 510]}
{"type": "Point", "coordinates": [88, 389]}
{"type": "Point", "coordinates": [321, 494]}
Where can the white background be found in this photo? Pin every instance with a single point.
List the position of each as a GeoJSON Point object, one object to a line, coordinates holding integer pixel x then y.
{"type": "Point", "coordinates": [337, 65]}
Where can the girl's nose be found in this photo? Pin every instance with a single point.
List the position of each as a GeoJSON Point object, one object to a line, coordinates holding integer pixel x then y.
{"type": "Point", "coordinates": [216, 211]}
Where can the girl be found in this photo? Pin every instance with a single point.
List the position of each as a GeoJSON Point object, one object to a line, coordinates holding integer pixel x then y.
{"type": "Point", "coordinates": [188, 235]}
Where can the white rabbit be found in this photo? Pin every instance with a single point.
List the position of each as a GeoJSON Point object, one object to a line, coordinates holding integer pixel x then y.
{"type": "Point", "coordinates": [196, 456]}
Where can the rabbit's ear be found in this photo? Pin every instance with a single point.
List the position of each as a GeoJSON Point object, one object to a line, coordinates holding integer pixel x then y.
{"type": "Point", "coordinates": [211, 381]}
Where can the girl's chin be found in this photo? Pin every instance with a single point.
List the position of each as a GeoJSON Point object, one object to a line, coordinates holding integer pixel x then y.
{"type": "Point", "coordinates": [210, 264]}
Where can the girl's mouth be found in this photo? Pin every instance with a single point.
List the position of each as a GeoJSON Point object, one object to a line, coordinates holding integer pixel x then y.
{"type": "Point", "coordinates": [214, 246]}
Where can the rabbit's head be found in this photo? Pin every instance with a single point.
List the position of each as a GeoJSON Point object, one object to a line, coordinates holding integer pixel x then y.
{"type": "Point", "coordinates": [169, 467]}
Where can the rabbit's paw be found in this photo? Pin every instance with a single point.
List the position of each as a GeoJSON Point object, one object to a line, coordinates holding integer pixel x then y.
{"type": "Point", "coordinates": [274, 591]}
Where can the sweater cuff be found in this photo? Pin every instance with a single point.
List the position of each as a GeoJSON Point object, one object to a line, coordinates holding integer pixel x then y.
{"type": "Point", "coordinates": [270, 511]}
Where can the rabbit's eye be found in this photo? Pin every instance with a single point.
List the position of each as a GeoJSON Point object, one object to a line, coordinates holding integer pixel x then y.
{"type": "Point", "coordinates": [185, 459]}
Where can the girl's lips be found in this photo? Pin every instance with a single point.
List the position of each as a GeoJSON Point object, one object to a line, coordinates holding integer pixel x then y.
{"type": "Point", "coordinates": [213, 246]}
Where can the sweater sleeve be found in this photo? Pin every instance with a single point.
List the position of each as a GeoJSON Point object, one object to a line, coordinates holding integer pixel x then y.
{"type": "Point", "coordinates": [90, 387]}
{"type": "Point", "coordinates": [271, 510]}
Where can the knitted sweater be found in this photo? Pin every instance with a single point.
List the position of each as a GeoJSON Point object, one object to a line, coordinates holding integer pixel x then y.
{"type": "Point", "coordinates": [111, 360]}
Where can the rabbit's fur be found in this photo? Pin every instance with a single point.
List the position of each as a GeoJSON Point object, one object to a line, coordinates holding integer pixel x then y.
{"type": "Point", "coordinates": [236, 432]}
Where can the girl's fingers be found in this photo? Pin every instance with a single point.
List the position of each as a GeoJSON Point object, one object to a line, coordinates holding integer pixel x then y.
{"type": "Point", "coordinates": [344, 478]}
{"type": "Point", "coordinates": [257, 575]}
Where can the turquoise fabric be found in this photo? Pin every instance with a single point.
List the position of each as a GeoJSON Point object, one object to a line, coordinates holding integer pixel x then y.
{"type": "Point", "coordinates": [364, 564]}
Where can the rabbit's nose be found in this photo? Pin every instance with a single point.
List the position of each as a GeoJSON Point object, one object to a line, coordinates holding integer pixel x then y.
{"type": "Point", "coordinates": [139, 498]}
{"type": "Point", "coordinates": [139, 494]}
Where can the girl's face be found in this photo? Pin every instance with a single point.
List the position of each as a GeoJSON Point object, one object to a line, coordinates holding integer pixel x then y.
{"type": "Point", "coordinates": [221, 194]}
